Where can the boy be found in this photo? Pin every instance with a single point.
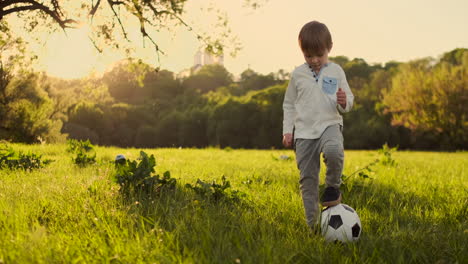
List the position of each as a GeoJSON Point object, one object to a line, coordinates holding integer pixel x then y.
{"type": "Point", "coordinates": [316, 95]}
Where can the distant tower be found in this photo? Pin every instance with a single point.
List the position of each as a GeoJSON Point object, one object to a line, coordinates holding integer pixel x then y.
{"type": "Point", "coordinates": [208, 58]}
{"type": "Point", "coordinates": [202, 58]}
{"type": "Point", "coordinates": [198, 59]}
{"type": "Point", "coordinates": [220, 59]}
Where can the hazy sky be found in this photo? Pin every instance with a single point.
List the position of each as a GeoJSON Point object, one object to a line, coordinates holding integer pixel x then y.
{"type": "Point", "coordinates": [377, 31]}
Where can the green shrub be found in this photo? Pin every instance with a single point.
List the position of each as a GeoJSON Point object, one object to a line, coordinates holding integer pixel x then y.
{"type": "Point", "coordinates": [216, 192]}
{"type": "Point", "coordinates": [84, 150]}
{"type": "Point", "coordinates": [387, 159]}
{"type": "Point", "coordinates": [136, 179]}
{"type": "Point", "coordinates": [365, 172]}
{"type": "Point", "coordinates": [11, 159]}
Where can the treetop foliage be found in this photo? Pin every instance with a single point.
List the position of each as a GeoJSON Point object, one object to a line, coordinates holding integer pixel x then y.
{"type": "Point", "coordinates": [431, 96]}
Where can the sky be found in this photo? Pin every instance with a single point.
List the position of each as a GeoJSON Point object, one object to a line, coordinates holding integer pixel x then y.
{"type": "Point", "coordinates": [376, 31]}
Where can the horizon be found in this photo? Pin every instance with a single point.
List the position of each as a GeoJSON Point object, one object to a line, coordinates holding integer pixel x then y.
{"type": "Point", "coordinates": [112, 65]}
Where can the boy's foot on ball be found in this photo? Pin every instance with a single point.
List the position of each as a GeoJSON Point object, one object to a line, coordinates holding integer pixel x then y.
{"type": "Point", "coordinates": [331, 197]}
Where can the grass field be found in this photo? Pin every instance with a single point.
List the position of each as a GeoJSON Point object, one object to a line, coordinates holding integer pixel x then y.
{"type": "Point", "coordinates": [412, 212]}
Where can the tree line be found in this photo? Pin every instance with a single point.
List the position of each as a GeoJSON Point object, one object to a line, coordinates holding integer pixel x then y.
{"type": "Point", "coordinates": [414, 105]}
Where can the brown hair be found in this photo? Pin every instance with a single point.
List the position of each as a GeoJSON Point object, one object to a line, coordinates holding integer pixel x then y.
{"type": "Point", "coordinates": [315, 38]}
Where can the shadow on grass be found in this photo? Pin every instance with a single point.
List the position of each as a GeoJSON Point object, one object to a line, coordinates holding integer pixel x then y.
{"type": "Point", "coordinates": [223, 230]}
{"type": "Point", "coordinates": [398, 227]}
{"type": "Point", "coordinates": [405, 227]}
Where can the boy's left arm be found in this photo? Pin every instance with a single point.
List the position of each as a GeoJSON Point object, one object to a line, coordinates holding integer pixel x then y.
{"type": "Point", "coordinates": [344, 96]}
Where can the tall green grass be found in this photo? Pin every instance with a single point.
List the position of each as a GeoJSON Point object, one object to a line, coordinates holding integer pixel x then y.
{"type": "Point", "coordinates": [413, 212]}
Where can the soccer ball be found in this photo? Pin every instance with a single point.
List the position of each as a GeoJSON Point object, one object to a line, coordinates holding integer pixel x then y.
{"type": "Point", "coordinates": [340, 223]}
{"type": "Point", "coordinates": [120, 159]}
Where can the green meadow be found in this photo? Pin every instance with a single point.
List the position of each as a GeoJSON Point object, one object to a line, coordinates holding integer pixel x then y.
{"type": "Point", "coordinates": [412, 211]}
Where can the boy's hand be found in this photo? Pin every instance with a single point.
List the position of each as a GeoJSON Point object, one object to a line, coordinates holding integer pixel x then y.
{"type": "Point", "coordinates": [287, 140]}
{"type": "Point", "coordinates": [341, 98]}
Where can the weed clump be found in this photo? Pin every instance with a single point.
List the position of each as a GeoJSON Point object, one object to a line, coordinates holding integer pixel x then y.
{"type": "Point", "coordinates": [11, 159]}
{"type": "Point", "coordinates": [216, 192]}
{"type": "Point", "coordinates": [84, 150]}
{"type": "Point", "coordinates": [387, 159]}
{"type": "Point", "coordinates": [365, 172]}
{"type": "Point", "coordinates": [136, 179]}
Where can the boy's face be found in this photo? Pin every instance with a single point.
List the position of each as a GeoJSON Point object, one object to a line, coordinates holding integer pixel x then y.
{"type": "Point", "coordinates": [316, 61]}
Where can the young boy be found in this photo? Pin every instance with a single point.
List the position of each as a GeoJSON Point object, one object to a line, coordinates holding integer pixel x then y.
{"type": "Point", "coordinates": [316, 95]}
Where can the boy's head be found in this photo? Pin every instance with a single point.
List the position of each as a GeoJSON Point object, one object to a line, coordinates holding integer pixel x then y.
{"type": "Point", "coordinates": [315, 38]}
{"type": "Point", "coordinates": [316, 42]}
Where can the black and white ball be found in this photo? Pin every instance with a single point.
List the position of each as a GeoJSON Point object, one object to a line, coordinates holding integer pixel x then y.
{"type": "Point", "coordinates": [120, 159]}
{"type": "Point", "coordinates": [340, 223]}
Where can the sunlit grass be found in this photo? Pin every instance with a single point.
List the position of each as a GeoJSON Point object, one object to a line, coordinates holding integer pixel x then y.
{"type": "Point", "coordinates": [415, 211]}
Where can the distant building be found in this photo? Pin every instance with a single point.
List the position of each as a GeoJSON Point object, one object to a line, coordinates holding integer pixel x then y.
{"type": "Point", "coordinates": [200, 59]}
{"type": "Point", "coordinates": [204, 58]}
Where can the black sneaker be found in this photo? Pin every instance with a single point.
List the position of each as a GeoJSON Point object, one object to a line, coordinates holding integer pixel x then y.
{"type": "Point", "coordinates": [331, 197]}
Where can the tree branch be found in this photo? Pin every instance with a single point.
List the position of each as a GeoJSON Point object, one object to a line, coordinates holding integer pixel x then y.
{"type": "Point", "coordinates": [94, 9]}
{"type": "Point", "coordinates": [141, 18]}
{"type": "Point", "coordinates": [116, 2]}
{"type": "Point", "coordinates": [17, 9]}
{"type": "Point", "coordinates": [111, 4]}
{"type": "Point", "coordinates": [95, 45]}
{"type": "Point", "coordinates": [55, 14]}
{"type": "Point", "coordinates": [166, 12]}
{"type": "Point", "coordinates": [6, 3]}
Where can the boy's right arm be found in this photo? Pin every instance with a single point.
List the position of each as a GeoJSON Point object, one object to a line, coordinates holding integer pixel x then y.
{"type": "Point", "coordinates": [289, 112]}
{"type": "Point", "coordinates": [287, 140]}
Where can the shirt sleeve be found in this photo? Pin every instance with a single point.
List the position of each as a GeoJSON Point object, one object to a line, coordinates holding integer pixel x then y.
{"type": "Point", "coordinates": [349, 95]}
{"type": "Point", "coordinates": [289, 109]}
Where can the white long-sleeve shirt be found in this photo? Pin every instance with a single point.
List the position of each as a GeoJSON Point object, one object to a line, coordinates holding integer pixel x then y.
{"type": "Point", "coordinates": [310, 101]}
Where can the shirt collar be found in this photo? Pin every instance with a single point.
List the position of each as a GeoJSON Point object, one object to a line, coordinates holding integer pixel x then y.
{"type": "Point", "coordinates": [317, 76]}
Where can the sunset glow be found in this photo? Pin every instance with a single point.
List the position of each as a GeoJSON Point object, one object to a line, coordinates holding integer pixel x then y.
{"type": "Point", "coordinates": [361, 29]}
{"type": "Point", "coordinates": [71, 55]}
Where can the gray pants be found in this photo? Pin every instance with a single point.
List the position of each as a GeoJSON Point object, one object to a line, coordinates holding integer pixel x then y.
{"type": "Point", "coordinates": [308, 153]}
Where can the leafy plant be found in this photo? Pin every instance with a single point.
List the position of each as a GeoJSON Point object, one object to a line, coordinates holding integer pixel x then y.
{"type": "Point", "coordinates": [11, 159]}
{"type": "Point", "coordinates": [387, 153]}
{"type": "Point", "coordinates": [364, 172]}
{"type": "Point", "coordinates": [215, 191]}
{"type": "Point", "coordinates": [84, 150]}
{"type": "Point", "coordinates": [136, 179]}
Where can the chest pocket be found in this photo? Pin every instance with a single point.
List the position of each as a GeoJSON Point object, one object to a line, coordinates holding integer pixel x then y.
{"type": "Point", "coordinates": [329, 85]}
